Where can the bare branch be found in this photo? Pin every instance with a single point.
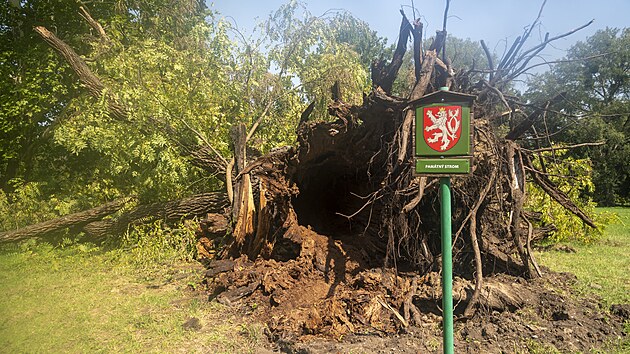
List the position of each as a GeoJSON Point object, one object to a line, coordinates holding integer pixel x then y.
{"type": "Point", "coordinates": [383, 75]}
{"type": "Point", "coordinates": [94, 24]}
{"type": "Point", "coordinates": [508, 55]}
{"type": "Point", "coordinates": [448, 4]}
{"type": "Point", "coordinates": [526, 56]}
{"type": "Point", "coordinates": [489, 57]}
{"type": "Point", "coordinates": [417, 47]}
{"type": "Point", "coordinates": [563, 61]}
{"type": "Point", "coordinates": [499, 94]}
{"type": "Point", "coordinates": [545, 183]}
{"type": "Point", "coordinates": [523, 39]}
{"type": "Point", "coordinates": [568, 147]}
{"type": "Point", "coordinates": [549, 40]}
{"type": "Point", "coordinates": [417, 92]}
{"type": "Point", "coordinates": [523, 126]}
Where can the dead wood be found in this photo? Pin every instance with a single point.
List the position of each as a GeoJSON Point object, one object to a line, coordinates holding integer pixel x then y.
{"type": "Point", "coordinates": [517, 194]}
{"type": "Point", "coordinates": [528, 122]}
{"type": "Point", "coordinates": [489, 58]}
{"type": "Point", "coordinates": [94, 24]}
{"type": "Point", "coordinates": [71, 220]}
{"type": "Point", "coordinates": [545, 183]}
{"type": "Point", "coordinates": [176, 210]}
{"type": "Point", "coordinates": [383, 76]}
{"type": "Point", "coordinates": [309, 109]}
{"type": "Point", "coordinates": [568, 147]}
{"type": "Point", "coordinates": [87, 78]}
{"type": "Point", "coordinates": [420, 88]}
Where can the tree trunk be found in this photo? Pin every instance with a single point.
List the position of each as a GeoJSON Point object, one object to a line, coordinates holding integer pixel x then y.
{"type": "Point", "coordinates": [93, 223]}
{"type": "Point", "coordinates": [195, 206]}
{"type": "Point", "coordinates": [71, 220]}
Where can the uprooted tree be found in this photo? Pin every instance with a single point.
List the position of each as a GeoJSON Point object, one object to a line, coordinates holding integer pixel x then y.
{"type": "Point", "coordinates": [336, 233]}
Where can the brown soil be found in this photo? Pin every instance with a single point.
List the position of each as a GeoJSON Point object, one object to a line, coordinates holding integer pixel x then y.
{"type": "Point", "coordinates": [338, 304]}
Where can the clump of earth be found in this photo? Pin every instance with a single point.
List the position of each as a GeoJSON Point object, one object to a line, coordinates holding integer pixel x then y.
{"type": "Point", "coordinates": [332, 305]}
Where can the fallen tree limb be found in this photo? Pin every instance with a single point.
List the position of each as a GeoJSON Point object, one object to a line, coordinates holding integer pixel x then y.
{"type": "Point", "coordinates": [197, 205]}
{"type": "Point", "coordinates": [545, 183]}
{"type": "Point", "coordinates": [71, 220]}
{"type": "Point", "coordinates": [93, 223]}
{"type": "Point", "coordinates": [86, 76]}
{"type": "Point", "coordinates": [568, 147]}
{"type": "Point", "coordinates": [528, 122]}
{"type": "Point", "coordinates": [204, 156]}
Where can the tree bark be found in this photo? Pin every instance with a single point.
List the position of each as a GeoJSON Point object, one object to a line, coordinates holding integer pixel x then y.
{"type": "Point", "coordinates": [383, 76]}
{"type": "Point", "coordinates": [71, 220]}
{"type": "Point", "coordinates": [91, 81]}
{"type": "Point", "coordinates": [197, 205]}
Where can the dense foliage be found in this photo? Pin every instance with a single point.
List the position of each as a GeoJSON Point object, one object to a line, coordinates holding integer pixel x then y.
{"type": "Point", "coordinates": [184, 75]}
{"type": "Point", "coordinates": [573, 178]}
{"type": "Point", "coordinates": [596, 78]}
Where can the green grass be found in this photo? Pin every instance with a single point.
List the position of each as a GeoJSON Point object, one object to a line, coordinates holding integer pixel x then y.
{"type": "Point", "coordinates": [603, 267]}
{"type": "Point", "coordinates": [80, 298]}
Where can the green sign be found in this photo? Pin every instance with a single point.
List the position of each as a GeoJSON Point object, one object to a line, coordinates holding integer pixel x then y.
{"type": "Point", "coordinates": [443, 133]}
{"type": "Point", "coordinates": [443, 166]}
{"type": "Point", "coordinates": [443, 148]}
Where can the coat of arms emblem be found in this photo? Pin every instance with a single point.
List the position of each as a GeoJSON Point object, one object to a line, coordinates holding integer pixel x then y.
{"type": "Point", "coordinates": [442, 126]}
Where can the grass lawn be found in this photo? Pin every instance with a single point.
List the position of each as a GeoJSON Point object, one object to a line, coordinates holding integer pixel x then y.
{"type": "Point", "coordinates": [82, 299]}
{"type": "Point", "coordinates": [602, 268]}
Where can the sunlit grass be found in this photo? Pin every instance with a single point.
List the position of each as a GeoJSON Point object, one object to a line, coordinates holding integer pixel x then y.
{"type": "Point", "coordinates": [602, 268]}
{"type": "Point", "coordinates": [82, 299]}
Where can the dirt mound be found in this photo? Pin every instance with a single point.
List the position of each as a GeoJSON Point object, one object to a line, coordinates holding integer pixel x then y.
{"type": "Point", "coordinates": [329, 300]}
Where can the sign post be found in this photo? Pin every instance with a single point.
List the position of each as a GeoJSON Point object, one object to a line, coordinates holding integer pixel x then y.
{"type": "Point", "coordinates": [443, 142]}
{"type": "Point", "coordinates": [447, 265]}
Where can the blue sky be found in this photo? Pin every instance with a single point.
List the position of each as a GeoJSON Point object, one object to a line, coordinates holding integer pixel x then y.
{"type": "Point", "coordinates": [495, 21]}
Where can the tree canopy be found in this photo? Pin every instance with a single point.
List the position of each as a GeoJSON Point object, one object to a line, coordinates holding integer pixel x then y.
{"type": "Point", "coordinates": [595, 75]}
{"type": "Point", "coordinates": [181, 77]}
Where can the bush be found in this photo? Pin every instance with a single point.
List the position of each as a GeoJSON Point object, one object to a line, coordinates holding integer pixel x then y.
{"type": "Point", "coordinates": [574, 178]}
{"type": "Point", "coordinates": [27, 205]}
{"type": "Point", "coordinates": [155, 244]}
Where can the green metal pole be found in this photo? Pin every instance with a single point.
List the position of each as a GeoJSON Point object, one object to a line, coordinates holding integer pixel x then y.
{"type": "Point", "coordinates": [447, 265]}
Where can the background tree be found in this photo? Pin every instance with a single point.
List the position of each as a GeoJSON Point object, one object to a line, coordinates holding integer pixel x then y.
{"type": "Point", "coordinates": [596, 78]}
{"type": "Point", "coordinates": [163, 85]}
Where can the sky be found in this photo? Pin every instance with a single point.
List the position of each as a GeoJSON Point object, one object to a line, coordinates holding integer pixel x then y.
{"type": "Point", "coordinates": [497, 22]}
